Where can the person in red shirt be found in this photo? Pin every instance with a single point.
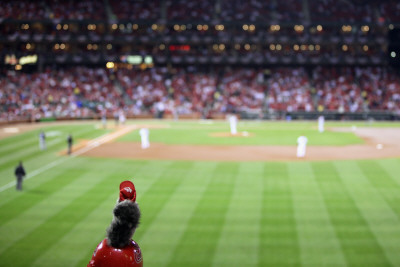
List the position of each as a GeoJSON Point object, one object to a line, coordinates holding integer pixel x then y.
{"type": "Point", "coordinates": [118, 249]}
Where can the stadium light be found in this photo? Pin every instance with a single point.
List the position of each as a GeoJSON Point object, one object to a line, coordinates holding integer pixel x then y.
{"type": "Point", "coordinates": [275, 28]}
{"type": "Point", "coordinates": [365, 28]}
{"type": "Point", "coordinates": [110, 65]}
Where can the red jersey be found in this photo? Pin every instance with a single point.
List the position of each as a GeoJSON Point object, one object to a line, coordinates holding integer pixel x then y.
{"type": "Point", "coordinates": [106, 256]}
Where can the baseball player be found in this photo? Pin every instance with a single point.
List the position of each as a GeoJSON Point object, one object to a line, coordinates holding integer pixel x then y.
{"type": "Point", "coordinates": [321, 122]}
{"type": "Point", "coordinates": [118, 249]}
{"type": "Point", "coordinates": [144, 136]}
{"type": "Point", "coordinates": [42, 141]}
{"type": "Point", "coordinates": [121, 117]}
{"type": "Point", "coordinates": [104, 118]}
{"type": "Point", "coordinates": [70, 141]}
{"type": "Point", "coordinates": [19, 174]}
{"type": "Point", "coordinates": [233, 123]}
{"type": "Point", "coordinates": [301, 146]}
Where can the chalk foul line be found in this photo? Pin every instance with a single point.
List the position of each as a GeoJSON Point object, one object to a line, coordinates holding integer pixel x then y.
{"type": "Point", "coordinates": [90, 145]}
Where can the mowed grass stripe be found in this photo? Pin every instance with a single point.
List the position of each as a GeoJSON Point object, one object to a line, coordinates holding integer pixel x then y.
{"type": "Point", "coordinates": [240, 235]}
{"type": "Point", "coordinates": [78, 240]}
{"type": "Point", "coordinates": [392, 168]}
{"type": "Point", "coordinates": [386, 192]}
{"type": "Point", "coordinates": [279, 245]}
{"type": "Point", "coordinates": [26, 222]}
{"type": "Point", "coordinates": [319, 245]}
{"type": "Point", "coordinates": [21, 139]}
{"type": "Point", "coordinates": [29, 199]}
{"type": "Point", "coordinates": [160, 238]}
{"type": "Point", "coordinates": [155, 198]}
{"type": "Point", "coordinates": [29, 139]}
{"type": "Point", "coordinates": [83, 238]}
{"type": "Point", "coordinates": [13, 145]}
{"type": "Point", "coordinates": [25, 153]}
{"type": "Point", "coordinates": [383, 183]}
{"type": "Point", "coordinates": [383, 222]}
{"type": "Point", "coordinates": [203, 229]}
{"type": "Point", "coordinates": [11, 194]}
{"type": "Point", "coordinates": [58, 225]}
{"type": "Point", "coordinates": [358, 242]}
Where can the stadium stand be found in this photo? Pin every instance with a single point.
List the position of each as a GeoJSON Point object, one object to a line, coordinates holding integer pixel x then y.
{"type": "Point", "coordinates": [261, 59]}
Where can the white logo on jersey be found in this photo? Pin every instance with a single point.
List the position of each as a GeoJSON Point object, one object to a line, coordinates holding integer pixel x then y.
{"type": "Point", "coordinates": [128, 189]}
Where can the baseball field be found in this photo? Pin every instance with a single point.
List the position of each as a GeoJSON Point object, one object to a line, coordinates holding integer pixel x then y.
{"type": "Point", "coordinates": [208, 198]}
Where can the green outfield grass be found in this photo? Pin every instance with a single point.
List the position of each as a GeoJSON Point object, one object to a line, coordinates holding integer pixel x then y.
{"type": "Point", "coordinates": [332, 213]}
{"type": "Point", "coordinates": [259, 133]}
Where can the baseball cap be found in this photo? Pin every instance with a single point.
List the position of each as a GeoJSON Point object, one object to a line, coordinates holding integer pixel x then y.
{"type": "Point", "coordinates": [127, 191]}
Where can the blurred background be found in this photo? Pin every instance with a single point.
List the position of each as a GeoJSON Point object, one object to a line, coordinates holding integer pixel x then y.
{"type": "Point", "coordinates": [199, 59]}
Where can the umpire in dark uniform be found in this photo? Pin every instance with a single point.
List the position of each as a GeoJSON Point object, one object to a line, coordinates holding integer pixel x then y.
{"type": "Point", "coordinates": [70, 141]}
{"type": "Point", "coordinates": [19, 173]}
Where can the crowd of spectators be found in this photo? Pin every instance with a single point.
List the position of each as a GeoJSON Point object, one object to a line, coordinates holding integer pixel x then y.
{"type": "Point", "coordinates": [86, 92]}
{"type": "Point", "coordinates": [289, 90]}
{"type": "Point", "coordinates": [136, 10]}
{"type": "Point", "coordinates": [52, 9]}
{"type": "Point", "coordinates": [343, 11]}
{"type": "Point", "coordinates": [70, 93]}
{"type": "Point", "coordinates": [360, 11]}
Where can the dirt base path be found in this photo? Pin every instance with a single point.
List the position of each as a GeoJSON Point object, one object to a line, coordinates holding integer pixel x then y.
{"type": "Point", "coordinates": [380, 143]}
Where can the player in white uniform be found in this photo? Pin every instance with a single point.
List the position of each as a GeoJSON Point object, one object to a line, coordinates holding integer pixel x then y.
{"type": "Point", "coordinates": [144, 135]}
{"type": "Point", "coordinates": [122, 117]}
{"type": "Point", "coordinates": [321, 122]}
{"type": "Point", "coordinates": [233, 124]}
{"type": "Point", "coordinates": [301, 146]}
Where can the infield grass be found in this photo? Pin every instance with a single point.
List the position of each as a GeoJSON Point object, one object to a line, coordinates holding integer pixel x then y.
{"type": "Point", "coordinates": [329, 213]}
{"type": "Point", "coordinates": [258, 133]}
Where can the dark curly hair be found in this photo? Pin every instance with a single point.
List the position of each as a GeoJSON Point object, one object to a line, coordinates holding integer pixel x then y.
{"type": "Point", "coordinates": [123, 226]}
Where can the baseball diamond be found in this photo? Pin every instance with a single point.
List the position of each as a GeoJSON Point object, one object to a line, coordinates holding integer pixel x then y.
{"type": "Point", "coordinates": [207, 201]}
